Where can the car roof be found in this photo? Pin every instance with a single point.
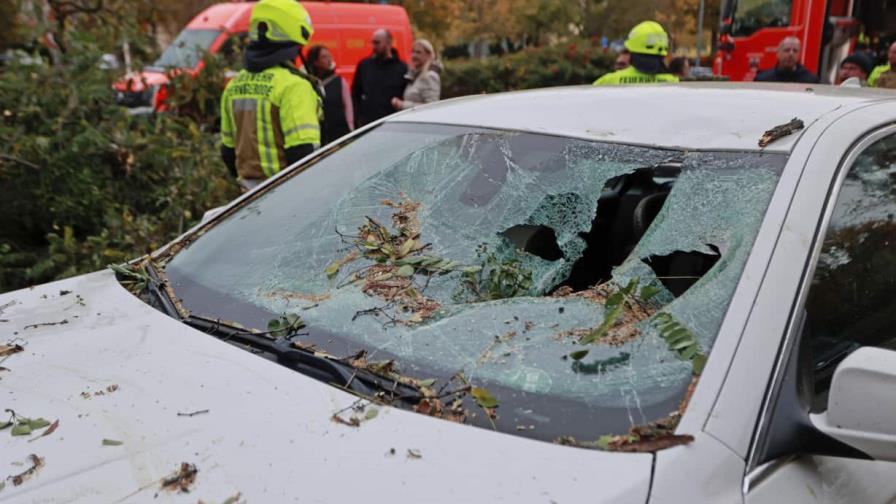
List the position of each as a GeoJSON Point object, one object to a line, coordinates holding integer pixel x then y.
{"type": "Point", "coordinates": [693, 116]}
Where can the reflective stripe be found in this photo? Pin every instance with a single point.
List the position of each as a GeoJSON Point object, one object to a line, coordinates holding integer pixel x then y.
{"type": "Point", "coordinates": [301, 127]}
{"type": "Point", "coordinates": [245, 104]}
{"type": "Point", "coordinates": [267, 163]}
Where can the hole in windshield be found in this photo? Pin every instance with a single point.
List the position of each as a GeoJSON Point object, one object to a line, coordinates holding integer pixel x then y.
{"type": "Point", "coordinates": [539, 240]}
{"type": "Point", "coordinates": [680, 270]}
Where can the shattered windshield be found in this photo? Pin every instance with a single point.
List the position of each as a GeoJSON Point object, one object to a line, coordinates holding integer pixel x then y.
{"type": "Point", "coordinates": [575, 287]}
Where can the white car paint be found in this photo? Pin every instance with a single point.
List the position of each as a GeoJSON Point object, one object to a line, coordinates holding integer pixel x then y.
{"type": "Point", "coordinates": [268, 432]}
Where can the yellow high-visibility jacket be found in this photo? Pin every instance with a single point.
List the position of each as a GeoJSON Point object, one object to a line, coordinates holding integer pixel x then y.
{"type": "Point", "coordinates": [632, 75]}
{"type": "Point", "coordinates": [264, 113]}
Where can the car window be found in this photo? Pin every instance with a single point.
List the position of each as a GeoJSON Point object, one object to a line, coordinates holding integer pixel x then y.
{"type": "Point", "coordinates": [187, 49]}
{"type": "Point", "coordinates": [753, 15]}
{"type": "Point", "coordinates": [852, 298]}
{"type": "Point", "coordinates": [499, 255]}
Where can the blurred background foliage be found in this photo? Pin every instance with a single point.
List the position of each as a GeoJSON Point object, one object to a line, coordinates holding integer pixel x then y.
{"type": "Point", "coordinates": [82, 182]}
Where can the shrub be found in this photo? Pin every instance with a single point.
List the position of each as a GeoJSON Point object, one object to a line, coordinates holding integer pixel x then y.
{"type": "Point", "coordinates": [559, 65]}
{"type": "Point", "coordinates": [82, 182]}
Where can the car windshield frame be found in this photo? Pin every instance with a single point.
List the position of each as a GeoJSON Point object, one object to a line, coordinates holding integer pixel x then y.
{"type": "Point", "coordinates": [524, 405]}
{"type": "Point", "coordinates": [187, 49]}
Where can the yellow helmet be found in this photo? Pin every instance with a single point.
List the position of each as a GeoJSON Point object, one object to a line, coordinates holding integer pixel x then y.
{"type": "Point", "coordinates": [287, 21]}
{"type": "Point", "coordinates": [648, 37]}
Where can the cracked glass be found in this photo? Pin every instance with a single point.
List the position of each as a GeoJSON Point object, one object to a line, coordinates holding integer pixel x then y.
{"type": "Point", "coordinates": [561, 213]}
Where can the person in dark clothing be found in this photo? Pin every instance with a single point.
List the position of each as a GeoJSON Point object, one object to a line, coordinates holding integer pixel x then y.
{"type": "Point", "coordinates": [339, 117]}
{"type": "Point", "coordinates": [857, 65]}
{"type": "Point", "coordinates": [378, 79]}
{"type": "Point", "coordinates": [788, 68]}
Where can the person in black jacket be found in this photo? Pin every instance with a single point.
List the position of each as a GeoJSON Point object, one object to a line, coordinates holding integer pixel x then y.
{"type": "Point", "coordinates": [788, 68]}
{"type": "Point", "coordinates": [378, 79]}
{"type": "Point", "coordinates": [339, 117]}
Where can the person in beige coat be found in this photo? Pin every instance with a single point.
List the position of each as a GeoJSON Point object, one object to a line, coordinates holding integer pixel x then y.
{"type": "Point", "coordinates": [424, 83]}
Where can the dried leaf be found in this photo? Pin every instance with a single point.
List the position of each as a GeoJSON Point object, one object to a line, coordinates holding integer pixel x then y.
{"type": "Point", "coordinates": [414, 454]}
{"type": "Point", "coordinates": [351, 422]}
{"type": "Point", "coordinates": [112, 442]}
{"type": "Point", "coordinates": [36, 463]}
{"type": "Point", "coordinates": [484, 398]}
{"type": "Point", "coordinates": [654, 444]}
{"type": "Point", "coordinates": [52, 428]}
{"type": "Point", "coordinates": [182, 479]}
{"type": "Point", "coordinates": [10, 349]}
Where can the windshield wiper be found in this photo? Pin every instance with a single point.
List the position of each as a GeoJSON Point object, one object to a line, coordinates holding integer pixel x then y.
{"type": "Point", "coordinates": [309, 363]}
{"type": "Point", "coordinates": [305, 361]}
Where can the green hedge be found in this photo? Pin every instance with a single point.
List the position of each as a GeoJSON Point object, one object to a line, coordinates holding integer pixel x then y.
{"type": "Point", "coordinates": [559, 65]}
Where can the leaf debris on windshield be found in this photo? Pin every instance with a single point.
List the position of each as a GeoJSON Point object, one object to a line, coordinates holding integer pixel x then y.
{"type": "Point", "coordinates": [397, 255]}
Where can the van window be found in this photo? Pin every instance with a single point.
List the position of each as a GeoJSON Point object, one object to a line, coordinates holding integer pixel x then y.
{"type": "Point", "coordinates": [187, 49]}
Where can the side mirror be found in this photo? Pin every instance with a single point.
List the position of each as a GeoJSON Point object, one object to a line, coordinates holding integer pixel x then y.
{"type": "Point", "coordinates": [862, 403]}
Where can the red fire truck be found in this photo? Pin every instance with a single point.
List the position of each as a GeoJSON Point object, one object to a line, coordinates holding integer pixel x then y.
{"type": "Point", "coordinates": [828, 30]}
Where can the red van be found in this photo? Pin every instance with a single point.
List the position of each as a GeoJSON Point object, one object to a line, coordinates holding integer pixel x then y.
{"type": "Point", "coordinates": [345, 28]}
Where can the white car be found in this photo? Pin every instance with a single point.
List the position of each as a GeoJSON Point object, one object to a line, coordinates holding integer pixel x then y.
{"type": "Point", "coordinates": [563, 295]}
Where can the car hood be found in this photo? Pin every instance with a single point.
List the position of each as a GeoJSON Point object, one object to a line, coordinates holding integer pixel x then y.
{"type": "Point", "coordinates": [108, 366]}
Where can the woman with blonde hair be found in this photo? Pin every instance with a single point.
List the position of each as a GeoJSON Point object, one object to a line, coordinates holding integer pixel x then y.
{"type": "Point", "coordinates": [424, 83]}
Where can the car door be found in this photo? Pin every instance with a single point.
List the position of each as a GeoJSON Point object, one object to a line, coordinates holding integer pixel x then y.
{"type": "Point", "coordinates": [846, 300]}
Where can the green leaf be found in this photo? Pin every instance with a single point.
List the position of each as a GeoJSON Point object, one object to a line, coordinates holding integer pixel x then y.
{"type": "Point", "coordinates": [615, 299]}
{"type": "Point", "coordinates": [21, 429]}
{"type": "Point", "coordinates": [484, 398]}
{"type": "Point", "coordinates": [678, 332]}
{"type": "Point", "coordinates": [603, 442]}
{"type": "Point", "coordinates": [5, 425]}
{"type": "Point", "coordinates": [406, 247]}
{"type": "Point", "coordinates": [274, 325]}
{"type": "Point", "coordinates": [578, 354]}
{"type": "Point", "coordinates": [698, 363]}
{"type": "Point", "coordinates": [429, 382]}
{"type": "Point", "coordinates": [690, 352]}
{"type": "Point", "coordinates": [371, 413]}
{"type": "Point", "coordinates": [649, 291]}
{"type": "Point", "coordinates": [683, 344]}
{"type": "Point", "coordinates": [332, 269]}
{"type": "Point", "coordinates": [405, 271]}
{"type": "Point", "coordinates": [112, 442]}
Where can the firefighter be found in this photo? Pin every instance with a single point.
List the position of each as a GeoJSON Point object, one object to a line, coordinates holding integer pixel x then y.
{"type": "Point", "coordinates": [270, 112]}
{"type": "Point", "coordinates": [648, 44]}
{"type": "Point", "coordinates": [882, 69]}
